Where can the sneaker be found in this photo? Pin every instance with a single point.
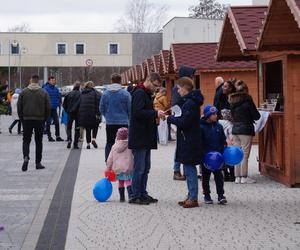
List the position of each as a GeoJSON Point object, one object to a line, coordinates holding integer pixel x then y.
{"type": "Point", "coordinates": [69, 144]}
{"type": "Point", "coordinates": [59, 138]}
{"type": "Point", "coordinates": [222, 200]}
{"type": "Point", "coordinates": [237, 180]}
{"type": "Point", "coordinates": [150, 199]}
{"type": "Point", "coordinates": [10, 130]}
{"type": "Point", "coordinates": [138, 201]}
{"type": "Point", "coordinates": [178, 176]}
{"type": "Point", "coordinates": [88, 146]}
{"type": "Point", "coordinates": [94, 144]}
{"type": "Point", "coordinates": [39, 166]}
{"type": "Point", "coordinates": [50, 139]}
{"type": "Point", "coordinates": [208, 200]}
{"type": "Point", "coordinates": [247, 180]}
{"type": "Point", "coordinates": [25, 164]}
{"type": "Point", "coordinates": [190, 204]}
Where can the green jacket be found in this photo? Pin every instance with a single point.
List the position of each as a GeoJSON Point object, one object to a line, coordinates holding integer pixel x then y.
{"type": "Point", "coordinates": [34, 104]}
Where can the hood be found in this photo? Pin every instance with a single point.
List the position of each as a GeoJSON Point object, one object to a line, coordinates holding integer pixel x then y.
{"type": "Point", "coordinates": [203, 121]}
{"type": "Point", "coordinates": [196, 96]}
{"type": "Point", "coordinates": [87, 90]}
{"type": "Point", "coordinates": [121, 145]}
{"type": "Point", "coordinates": [238, 97]}
{"type": "Point", "coordinates": [114, 87]}
{"type": "Point", "coordinates": [34, 86]}
{"type": "Point", "coordinates": [186, 71]}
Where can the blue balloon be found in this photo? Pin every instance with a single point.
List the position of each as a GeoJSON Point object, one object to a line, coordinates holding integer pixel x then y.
{"type": "Point", "coordinates": [102, 190]}
{"type": "Point", "coordinates": [233, 155]}
{"type": "Point", "coordinates": [213, 161]}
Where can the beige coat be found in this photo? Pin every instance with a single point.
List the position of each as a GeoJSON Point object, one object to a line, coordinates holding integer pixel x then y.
{"type": "Point", "coordinates": [161, 102]}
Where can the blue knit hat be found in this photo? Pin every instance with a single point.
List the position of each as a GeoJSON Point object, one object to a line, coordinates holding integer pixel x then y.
{"type": "Point", "coordinates": [209, 110]}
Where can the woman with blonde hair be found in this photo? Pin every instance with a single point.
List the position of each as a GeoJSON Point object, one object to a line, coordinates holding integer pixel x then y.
{"type": "Point", "coordinates": [244, 114]}
{"type": "Point", "coordinates": [89, 114]}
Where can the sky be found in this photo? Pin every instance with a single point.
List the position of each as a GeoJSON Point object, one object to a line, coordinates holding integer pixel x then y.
{"type": "Point", "coordinates": [81, 15]}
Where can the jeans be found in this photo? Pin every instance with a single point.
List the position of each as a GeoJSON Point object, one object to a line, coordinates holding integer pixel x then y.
{"type": "Point", "coordinates": [111, 132]}
{"type": "Point", "coordinates": [219, 180]}
{"type": "Point", "coordinates": [190, 172]}
{"type": "Point", "coordinates": [141, 168]}
{"type": "Point", "coordinates": [28, 127]}
{"type": "Point", "coordinates": [19, 125]}
{"type": "Point", "coordinates": [177, 164]}
{"type": "Point", "coordinates": [71, 119]}
{"type": "Point", "coordinates": [54, 117]}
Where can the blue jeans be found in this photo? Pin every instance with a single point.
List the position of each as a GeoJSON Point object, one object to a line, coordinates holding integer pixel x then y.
{"type": "Point", "coordinates": [190, 172]}
{"type": "Point", "coordinates": [176, 166]}
{"type": "Point", "coordinates": [141, 168]}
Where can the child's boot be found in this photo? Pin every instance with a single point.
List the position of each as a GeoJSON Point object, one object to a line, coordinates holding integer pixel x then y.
{"type": "Point", "coordinates": [122, 194]}
{"type": "Point", "coordinates": [129, 191]}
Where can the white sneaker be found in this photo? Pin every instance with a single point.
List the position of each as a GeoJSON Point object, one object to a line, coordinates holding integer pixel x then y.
{"type": "Point", "coordinates": [247, 180]}
{"type": "Point", "coordinates": [237, 180]}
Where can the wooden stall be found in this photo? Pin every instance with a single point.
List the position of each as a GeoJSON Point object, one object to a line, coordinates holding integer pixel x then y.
{"type": "Point", "coordinates": [201, 56]}
{"type": "Point", "coordinates": [279, 68]}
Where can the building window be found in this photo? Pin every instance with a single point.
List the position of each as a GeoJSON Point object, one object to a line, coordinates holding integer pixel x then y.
{"type": "Point", "coordinates": [79, 49]}
{"type": "Point", "coordinates": [15, 48]}
{"type": "Point", "coordinates": [61, 48]}
{"type": "Point", "coordinates": [113, 48]}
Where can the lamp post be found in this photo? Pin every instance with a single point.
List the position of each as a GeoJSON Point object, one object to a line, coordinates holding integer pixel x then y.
{"type": "Point", "coordinates": [22, 50]}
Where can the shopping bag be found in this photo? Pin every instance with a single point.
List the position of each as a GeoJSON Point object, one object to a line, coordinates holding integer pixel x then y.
{"type": "Point", "coordinates": [163, 132]}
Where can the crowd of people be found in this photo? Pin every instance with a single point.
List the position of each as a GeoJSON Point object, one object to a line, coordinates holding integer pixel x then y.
{"type": "Point", "coordinates": [132, 118]}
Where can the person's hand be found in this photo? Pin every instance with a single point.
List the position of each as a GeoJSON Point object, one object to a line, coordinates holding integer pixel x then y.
{"type": "Point", "coordinates": [161, 114]}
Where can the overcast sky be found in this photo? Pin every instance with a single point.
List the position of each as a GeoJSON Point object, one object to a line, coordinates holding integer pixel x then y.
{"type": "Point", "coordinates": [80, 15]}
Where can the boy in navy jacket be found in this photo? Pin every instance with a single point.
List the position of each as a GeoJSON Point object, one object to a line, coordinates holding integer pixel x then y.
{"type": "Point", "coordinates": [213, 139]}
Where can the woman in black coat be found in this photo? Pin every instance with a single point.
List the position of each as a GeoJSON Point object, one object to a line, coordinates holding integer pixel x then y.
{"type": "Point", "coordinates": [244, 113]}
{"type": "Point", "coordinates": [188, 149]}
{"type": "Point", "coordinates": [89, 114]}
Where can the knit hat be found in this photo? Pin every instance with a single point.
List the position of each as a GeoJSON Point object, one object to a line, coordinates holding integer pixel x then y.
{"type": "Point", "coordinates": [186, 71]}
{"type": "Point", "coordinates": [209, 110]}
{"type": "Point", "coordinates": [122, 134]}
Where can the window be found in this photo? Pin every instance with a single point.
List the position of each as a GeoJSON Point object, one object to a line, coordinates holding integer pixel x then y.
{"type": "Point", "coordinates": [113, 49]}
{"type": "Point", "coordinates": [79, 49]}
{"type": "Point", "coordinates": [15, 49]}
{"type": "Point", "coordinates": [61, 48]}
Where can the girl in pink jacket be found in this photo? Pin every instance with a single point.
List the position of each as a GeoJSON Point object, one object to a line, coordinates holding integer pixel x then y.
{"type": "Point", "coordinates": [120, 160]}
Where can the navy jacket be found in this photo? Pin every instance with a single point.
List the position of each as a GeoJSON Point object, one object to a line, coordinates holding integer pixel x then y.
{"type": "Point", "coordinates": [188, 149]}
{"type": "Point", "coordinates": [213, 136]}
{"type": "Point", "coordinates": [142, 126]}
{"type": "Point", "coordinates": [55, 97]}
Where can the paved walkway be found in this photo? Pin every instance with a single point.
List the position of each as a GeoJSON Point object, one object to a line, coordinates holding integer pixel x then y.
{"type": "Point", "coordinates": [258, 216]}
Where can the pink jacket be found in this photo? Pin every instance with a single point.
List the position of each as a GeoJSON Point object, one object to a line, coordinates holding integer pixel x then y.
{"type": "Point", "coordinates": [120, 158]}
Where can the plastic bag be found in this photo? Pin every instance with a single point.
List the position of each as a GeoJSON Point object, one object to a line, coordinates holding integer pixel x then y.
{"type": "Point", "coordinates": [163, 132]}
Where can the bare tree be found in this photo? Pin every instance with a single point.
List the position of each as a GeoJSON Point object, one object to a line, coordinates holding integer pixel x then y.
{"type": "Point", "coordinates": [208, 9]}
{"type": "Point", "coordinates": [142, 16]}
{"type": "Point", "coordinates": [24, 27]}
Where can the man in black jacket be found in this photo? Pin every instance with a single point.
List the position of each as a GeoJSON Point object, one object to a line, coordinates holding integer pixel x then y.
{"type": "Point", "coordinates": [33, 109]}
{"type": "Point", "coordinates": [71, 106]}
{"type": "Point", "coordinates": [143, 136]}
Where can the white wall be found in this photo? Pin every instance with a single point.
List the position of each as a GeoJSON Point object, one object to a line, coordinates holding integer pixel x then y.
{"type": "Point", "coordinates": [191, 30]}
{"type": "Point", "coordinates": [41, 49]}
{"type": "Point", "coordinates": [260, 2]}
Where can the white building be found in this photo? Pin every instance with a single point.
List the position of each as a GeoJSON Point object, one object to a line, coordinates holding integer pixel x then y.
{"type": "Point", "coordinates": [73, 51]}
{"type": "Point", "coordinates": [191, 30]}
{"type": "Point", "coordinates": [260, 2]}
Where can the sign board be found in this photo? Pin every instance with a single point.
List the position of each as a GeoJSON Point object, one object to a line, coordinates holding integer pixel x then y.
{"type": "Point", "coordinates": [89, 62]}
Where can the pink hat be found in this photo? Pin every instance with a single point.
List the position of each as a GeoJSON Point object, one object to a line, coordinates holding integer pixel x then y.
{"type": "Point", "coordinates": [122, 134]}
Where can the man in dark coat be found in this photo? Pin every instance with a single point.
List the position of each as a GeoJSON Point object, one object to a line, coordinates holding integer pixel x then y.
{"type": "Point", "coordinates": [33, 110]}
{"type": "Point", "coordinates": [143, 136]}
{"type": "Point", "coordinates": [71, 106]}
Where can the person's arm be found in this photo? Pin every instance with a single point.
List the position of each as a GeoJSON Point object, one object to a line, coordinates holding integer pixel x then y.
{"type": "Point", "coordinates": [20, 106]}
{"type": "Point", "coordinates": [103, 104]}
{"type": "Point", "coordinates": [254, 112]}
{"type": "Point", "coordinates": [109, 162]}
{"type": "Point", "coordinates": [129, 105]}
{"type": "Point", "coordinates": [138, 107]}
{"type": "Point", "coordinates": [47, 106]}
{"type": "Point", "coordinates": [185, 120]}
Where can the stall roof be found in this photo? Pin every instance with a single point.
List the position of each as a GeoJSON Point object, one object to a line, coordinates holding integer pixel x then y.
{"type": "Point", "coordinates": [164, 61]}
{"type": "Point", "coordinates": [137, 72]}
{"type": "Point", "coordinates": [201, 56]}
{"type": "Point", "coordinates": [281, 29]}
{"type": "Point", "coordinates": [155, 61]}
{"type": "Point", "coordinates": [241, 29]}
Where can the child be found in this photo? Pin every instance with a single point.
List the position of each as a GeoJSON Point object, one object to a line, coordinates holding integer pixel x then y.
{"type": "Point", "coordinates": [120, 160]}
{"type": "Point", "coordinates": [227, 124]}
{"type": "Point", "coordinates": [213, 139]}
